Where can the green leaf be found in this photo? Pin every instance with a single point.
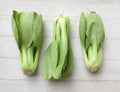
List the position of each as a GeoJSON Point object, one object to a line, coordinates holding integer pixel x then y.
{"type": "Point", "coordinates": [26, 26]}
{"type": "Point", "coordinates": [82, 28]}
{"type": "Point", "coordinates": [95, 29]}
{"type": "Point", "coordinates": [46, 66]}
{"type": "Point", "coordinates": [50, 60]}
{"type": "Point", "coordinates": [15, 27]}
{"type": "Point", "coordinates": [38, 27]}
{"type": "Point", "coordinates": [69, 61]}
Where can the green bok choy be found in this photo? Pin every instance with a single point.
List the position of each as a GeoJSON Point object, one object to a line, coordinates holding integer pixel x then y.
{"type": "Point", "coordinates": [28, 32]}
{"type": "Point", "coordinates": [92, 34]}
{"type": "Point", "coordinates": [58, 58]}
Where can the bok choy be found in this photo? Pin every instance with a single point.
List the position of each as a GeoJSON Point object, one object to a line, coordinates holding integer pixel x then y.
{"type": "Point", "coordinates": [58, 57]}
{"type": "Point", "coordinates": [28, 32]}
{"type": "Point", "coordinates": [92, 34]}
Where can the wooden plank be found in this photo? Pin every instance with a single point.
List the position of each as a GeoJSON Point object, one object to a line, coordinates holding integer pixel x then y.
{"type": "Point", "coordinates": [111, 26]}
{"type": "Point", "coordinates": [8, 48]}
{"type": "Point", "coordinates": [51, 8]}
{"type": "Point", "coordinates": [110, 71]}
{"type": "Point", "coordinates": [53, 86]}
{"type": "Point", "coordinates": [70, 1]}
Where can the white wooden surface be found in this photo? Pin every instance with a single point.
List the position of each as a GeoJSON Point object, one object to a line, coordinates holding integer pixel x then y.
{"type": "Point", "coordinates": [107, 79]}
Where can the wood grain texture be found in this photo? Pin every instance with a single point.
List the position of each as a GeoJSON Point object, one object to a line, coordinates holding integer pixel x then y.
{"type": "Point", "coordinates": [58, 86]}
{"type": "Point", "coordinates": [107, 79]}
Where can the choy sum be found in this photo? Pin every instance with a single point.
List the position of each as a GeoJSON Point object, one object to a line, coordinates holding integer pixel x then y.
{"type": "Point", "coordinates": [28, 33]}
{"type": "Point", "coordinates": [58, 57]}
{"type": "Point", "coordinates": [92, 34]}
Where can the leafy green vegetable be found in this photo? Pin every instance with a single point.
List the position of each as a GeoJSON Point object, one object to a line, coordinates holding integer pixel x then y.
{"type": "Point", "coordinates": [28, 32]}
{"type": "Point", "coordinates": [58, 58]}
{"type": "Point", "coordinates": [92, 34]}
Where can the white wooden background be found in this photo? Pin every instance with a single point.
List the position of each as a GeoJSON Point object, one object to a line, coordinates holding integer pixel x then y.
{"type": "Point", "coordinates": [107, 79]}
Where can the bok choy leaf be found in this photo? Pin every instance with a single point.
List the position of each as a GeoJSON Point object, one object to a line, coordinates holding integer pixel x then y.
{"type": "Point", "coordinates": [92, 34]}
{"type": "Point", "coordinates": [28, 32]}
{"type": "Point", "coordinates": [58, 58]}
